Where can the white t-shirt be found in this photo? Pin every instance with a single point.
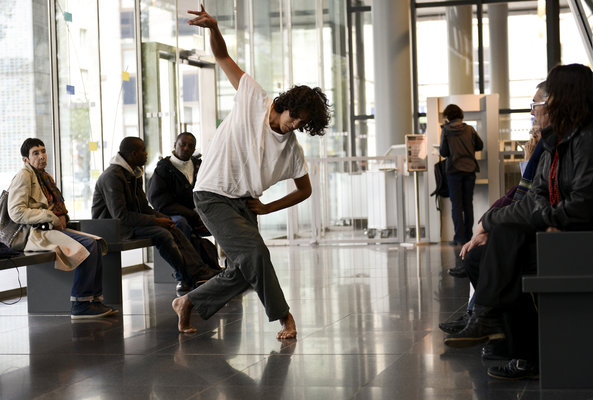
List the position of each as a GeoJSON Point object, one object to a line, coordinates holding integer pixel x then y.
{"type": "Point", "coordinates": [246, 156]}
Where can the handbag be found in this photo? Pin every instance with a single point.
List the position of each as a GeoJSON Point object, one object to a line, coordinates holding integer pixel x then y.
{"type": "Point", "coordinates": [11, 234]}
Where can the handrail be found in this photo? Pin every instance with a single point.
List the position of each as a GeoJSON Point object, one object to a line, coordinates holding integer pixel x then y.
{"type": "Point", "coordinates": [580, 16]}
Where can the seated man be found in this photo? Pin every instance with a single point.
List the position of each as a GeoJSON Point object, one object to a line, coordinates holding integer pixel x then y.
{"type": "Point", "coordinates": [35, 201]}
{"type": "Point", "coordinates": [170, 191]}
{"type": "Point", "coordinates": [119, 194]}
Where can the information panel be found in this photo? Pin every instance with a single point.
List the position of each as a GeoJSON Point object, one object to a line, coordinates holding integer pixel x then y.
{"type": "Point", "coordinates": [416, 152]}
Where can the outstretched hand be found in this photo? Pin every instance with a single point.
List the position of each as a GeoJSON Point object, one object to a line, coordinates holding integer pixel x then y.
{"type": "Point", "coordinates": [203, 19]}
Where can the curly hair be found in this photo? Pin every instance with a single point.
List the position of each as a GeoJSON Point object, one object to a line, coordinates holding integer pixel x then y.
{"type": "Point", "coordinates": [302, 100]}
{"type": "Point", "coordinates": [570, 101]}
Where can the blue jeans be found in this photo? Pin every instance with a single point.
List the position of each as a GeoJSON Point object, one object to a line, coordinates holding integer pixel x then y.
{"type": "Point", "coordinates": [88, 276]}
{"type": "Point", "coordinates": [182, 224]}
{"type": "Point", "coordinates": [461, 193]}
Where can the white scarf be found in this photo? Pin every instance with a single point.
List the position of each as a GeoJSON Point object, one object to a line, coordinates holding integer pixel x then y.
{"type": "Point", "coordinates": [185, 167]}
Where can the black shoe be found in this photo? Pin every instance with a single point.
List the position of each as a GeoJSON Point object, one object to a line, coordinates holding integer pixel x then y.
{"type": "Point", "coordinates": [182, 287]}
{"type": "Point", "coordinates": [496, 350]}
{"type": "Point", "coordinates": [87, 310]}
{"type": "Point", "coordinates": [515, 370]}
{"type": "Point", "coordinates": [457, 272]}
{"type": "Point", "coordinates": [455, 326]}
{"type": "Point", "coordinates": [478, 330]}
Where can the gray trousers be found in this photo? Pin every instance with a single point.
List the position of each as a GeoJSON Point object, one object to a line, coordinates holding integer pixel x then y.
{"type": "Point", "coordinates": [234, 226]}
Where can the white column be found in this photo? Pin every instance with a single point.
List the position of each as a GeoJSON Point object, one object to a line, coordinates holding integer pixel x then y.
{"type": "Point", "coordinates": [459, 35]}
{"type": "Point", "coordinates": [393, 93]}
{"type": "Point", "coordinates": [499, 61]}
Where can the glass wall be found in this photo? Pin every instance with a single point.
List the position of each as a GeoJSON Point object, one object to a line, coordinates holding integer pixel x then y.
{"type": "Point", "coordinates": [79, 101]}
{"type": "Point", "coordinates": [25, 83]}
{"type": "Point", "coordinates": [96, 91]}
{"type": "Point", "coordinates": [25, 94]}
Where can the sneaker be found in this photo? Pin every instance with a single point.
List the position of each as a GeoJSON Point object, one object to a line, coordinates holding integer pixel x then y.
{"type": "Point", "coordinates": [87, 309]}
{"type": "Point", "coordinates": [456, 325]}
{"type": "Point", "coordinates": [102, 306]}
{"type": "Point", "coordinates": [478, 330]}
{"type": "Point", "coordinates": [515, 369]}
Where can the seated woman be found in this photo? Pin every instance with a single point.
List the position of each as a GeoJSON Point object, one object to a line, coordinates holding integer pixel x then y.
{"type": "Point", "coordinates": [34, 200]}
{"type": "Point", "coordinates": [560, 199]}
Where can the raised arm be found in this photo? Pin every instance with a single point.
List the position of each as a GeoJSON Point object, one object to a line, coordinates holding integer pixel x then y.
{"type": "Point", "coordinates": [218, 45]}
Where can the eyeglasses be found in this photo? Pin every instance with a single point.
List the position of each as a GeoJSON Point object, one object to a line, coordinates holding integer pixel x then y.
{"type": "Point", "coordinates": [538, 103]}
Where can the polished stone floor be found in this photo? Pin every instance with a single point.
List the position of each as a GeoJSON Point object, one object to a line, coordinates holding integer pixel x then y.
{"type": "Point", "coordinates": [368, 329]}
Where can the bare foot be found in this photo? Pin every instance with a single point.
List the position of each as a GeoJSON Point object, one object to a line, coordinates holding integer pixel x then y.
{"type": "Point", "coordinates": [182, 306]}
{"type": "Point", "coordinates": [288, 328]}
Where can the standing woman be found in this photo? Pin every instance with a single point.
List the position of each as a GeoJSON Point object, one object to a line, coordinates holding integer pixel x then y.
{"type": "Point", "coordinates": [459, 142]}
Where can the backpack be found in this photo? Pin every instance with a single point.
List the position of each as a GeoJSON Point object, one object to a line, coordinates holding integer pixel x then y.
{"type": "Point", "coordinates": [440, 177]}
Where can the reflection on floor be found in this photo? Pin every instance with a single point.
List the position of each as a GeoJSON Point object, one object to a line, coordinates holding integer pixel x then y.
{"type": "Point", "coordinates": [368, 329]}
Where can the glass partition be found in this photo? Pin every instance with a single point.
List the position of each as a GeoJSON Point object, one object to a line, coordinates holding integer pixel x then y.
{"type": "Point", "coordinates": [25, 85]}
{"type": "Point", "coordinates": [79, 97]}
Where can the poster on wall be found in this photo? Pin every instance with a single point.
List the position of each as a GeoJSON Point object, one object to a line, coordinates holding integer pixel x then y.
{"type": "Point", "coordinates": [416, 153]}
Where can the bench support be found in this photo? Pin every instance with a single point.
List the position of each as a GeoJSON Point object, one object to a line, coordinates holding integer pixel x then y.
{"type": "Point", "coordinates": [565, 294]}
{"type": "Point", "coordinates": [48, 289]}
{"type": "Point", "coordinates": [163, 273]}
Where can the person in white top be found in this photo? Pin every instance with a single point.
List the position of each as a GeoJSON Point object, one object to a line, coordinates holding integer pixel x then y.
{"type": "Point", "coordinates": [253, 148]}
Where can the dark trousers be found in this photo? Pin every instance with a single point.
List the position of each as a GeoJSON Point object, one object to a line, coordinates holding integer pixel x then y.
{"type": "Point", "coordinates": [178, 251]}
{"type": "Point", "coordinates": [234, 226]}
{"type": "Point", "coordinates": [509, 254]}
{"type": "Point", "coordinates": [461, 193]}
{"type": "Point", "coordinates": [471, 263]}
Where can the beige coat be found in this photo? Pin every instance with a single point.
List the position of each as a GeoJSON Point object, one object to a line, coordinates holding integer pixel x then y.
{"type": "Point", "coordinates": [28, 205]}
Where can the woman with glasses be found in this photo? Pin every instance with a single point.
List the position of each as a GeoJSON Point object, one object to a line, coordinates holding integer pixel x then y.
{"type": "Point", "coordinates": [560, 199]}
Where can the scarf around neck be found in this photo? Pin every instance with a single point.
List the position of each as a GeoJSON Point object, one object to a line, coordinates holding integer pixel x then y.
{"type": "Point", "coordinates": [52, 193]}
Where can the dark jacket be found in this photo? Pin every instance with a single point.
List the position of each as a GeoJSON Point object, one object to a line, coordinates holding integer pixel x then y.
{"type": "Point", "coordinates": [170, 192]}
{"type": "Point", "coordinates": [459, 144]}
{"type": "Point", "coordinates": [119, 194]}
{"type": "Point", "coordinates": [575, 182]}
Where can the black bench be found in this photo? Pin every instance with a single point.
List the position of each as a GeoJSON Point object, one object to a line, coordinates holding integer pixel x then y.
{"type": "Point", "coordinates": [564, 285]}
{"type": "Point", "coordinates": [46, 292]}
{"type": "Point", "coordinates": [48, 289]}
{"type": "Point", "coordinates": [109, 229]}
